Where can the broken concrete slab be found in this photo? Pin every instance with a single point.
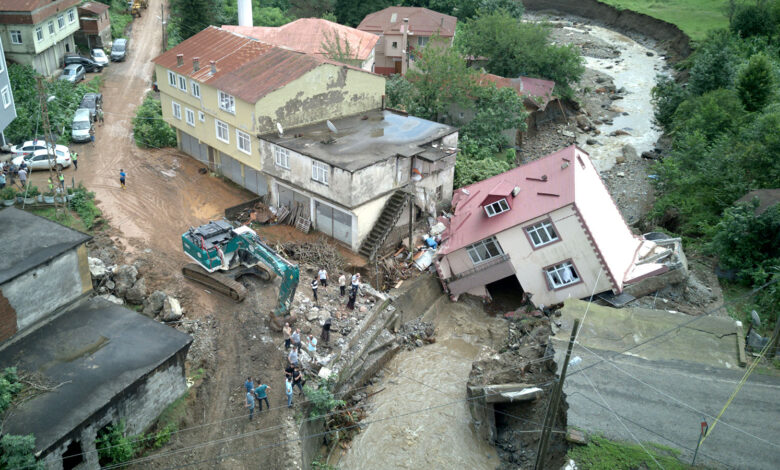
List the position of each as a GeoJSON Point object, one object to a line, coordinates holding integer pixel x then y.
{"type": "Point", "coordinates": [171, 310]}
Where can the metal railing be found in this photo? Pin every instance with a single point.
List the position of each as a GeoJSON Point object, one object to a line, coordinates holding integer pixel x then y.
{"type": "Point", "coordinates": [480, 267]}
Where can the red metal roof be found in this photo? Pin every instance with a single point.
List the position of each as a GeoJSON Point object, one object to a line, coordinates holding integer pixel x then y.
{"type": "Point", "coordinates": [246, 68]}
{"type": "Point", "coordinates": [539, 90]}
{"type": "Point", "coordinates": [421, 20]}
{"type": "Point", "coordinates": [31, 11]}
{"type": "Point", "coordinates": [309, 34]}
{"type": "Point", "coordinates": [94, 7]}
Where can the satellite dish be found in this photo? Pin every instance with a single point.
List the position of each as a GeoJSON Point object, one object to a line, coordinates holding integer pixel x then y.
{"type": "Point", "coordinates": [280, 129]}
{"type": "Point", "coordinates": [332, 127]}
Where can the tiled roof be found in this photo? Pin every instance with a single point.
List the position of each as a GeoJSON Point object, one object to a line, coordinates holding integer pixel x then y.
{"type": "Point", "coordinates": [246, 68]}
{"type": "Point", "coordinates": [545, 185]}
{"type": "Point", "coordinates": [421, 21]}
{"type": "Point", "coordinates": [94, 7]}
{"type": "Point", "coordinates": [309, 34]}
{"type": "Point", "coordinates": [538, 90]}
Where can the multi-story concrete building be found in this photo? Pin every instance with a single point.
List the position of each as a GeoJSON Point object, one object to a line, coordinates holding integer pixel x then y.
{"type": "Point", "coordinates": [395, 39]}
{"type": "Point", "coordinates": [7, 106]}
{"type": "Point", "coordinates": [38, 32]}
{"type": "Point", "coordinates": [95, 30]}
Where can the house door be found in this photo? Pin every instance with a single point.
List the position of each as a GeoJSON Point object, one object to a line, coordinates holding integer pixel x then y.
{"type": "Point", "coordinates": [334, 223]}
{"type": "Point", "coordinates": [398, 67]}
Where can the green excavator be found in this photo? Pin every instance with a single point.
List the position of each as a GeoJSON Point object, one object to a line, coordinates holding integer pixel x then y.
{"type": "Point", "coordinates": [223, 254]}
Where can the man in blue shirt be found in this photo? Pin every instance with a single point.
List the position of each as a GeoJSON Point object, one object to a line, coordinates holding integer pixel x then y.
{"type": "Point", "coordinates": [260, 393]}
{"type": "Point", "coordinates": [122, 176]}
{"type": "Point", "coordinates": [249, 384]}
{"type": "Point", "coordinates": [250, 403]}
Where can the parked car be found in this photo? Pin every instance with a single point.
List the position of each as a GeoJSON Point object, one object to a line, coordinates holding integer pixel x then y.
{"type": "Point", "coordinates": [89, 64]}
{"type": "Point", "coordinates": [73, 73]}
{"type": "Point", "coordinates": [39, 160]}
{"type": "Point", "coordinates": [28, 147]}
{"type": "Point", "coordinates": [100, 57]}
{"type": "Point", "coordinates": [119, 49]}
{"type": "Point", "coordinates": [91, 101]}
{"type": "Point", "coordinates": [81, 126]}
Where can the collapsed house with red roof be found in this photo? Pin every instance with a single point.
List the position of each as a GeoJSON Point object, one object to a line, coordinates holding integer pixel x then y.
{"type": "Point", "coordinates": [553, 226]}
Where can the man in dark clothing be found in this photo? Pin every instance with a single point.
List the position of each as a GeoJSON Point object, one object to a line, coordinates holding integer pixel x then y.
{"type": "Point", "coordinates": [314, 285]}
{"type": "Point", "coordinates": [326, 330]}
{"type": "Point", "coordinates": [260, 393]}
{"type": "Point", "coordinates": [298, 379]}
{"type": "Point", "coordinates": [75, 157]}
{"type": "Point", "coordinates": [351, 302]}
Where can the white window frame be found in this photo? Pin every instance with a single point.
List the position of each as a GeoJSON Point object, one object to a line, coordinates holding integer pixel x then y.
{"type": "Point", "coordinates": [16, 36]}
{"type": "Point", "coordinates": [498, 207]}
{"type": "Point", "coordinates": [282, 157]}
{"type": "Point", "coordinates": [320, 172]}
{"type": "Point", "coordinates": [51, 27]}
{"type": "Point", "coordinates": [227, 102]}
{"type": "Point", "coordinates": [189, 116]}
{"type": "Point", "coordinates": [478, 257]}
{"type": "Point", "coordinates": [71, 15]}
{"type": "Point", "coordinates": [183, 83]}
{"type": "Point", "coordinates": [219, 125]}
{"type": "Point", "coordinates": [172, 79]}
{"type": "Point", "coordinates": [39, 33]}
{"type": "Point", "coordinates": [176, 110]}
{"type": "Point", "coordinates": [195, 87]}
{"type": "Point", "coordinates": [201, 116]}
{"type": "Point", "coordinates": [544, 232]}
{"type": "Point", "coordinates": [422, 41]}
{"type": "Point", "coordinates": [61, 21]}
{"type": "Point", "coordinates": [243, 137]}
{"type": "Point", "coordinates": [6, 94]}
{"type": "Point", "coordinates": [555, 275]}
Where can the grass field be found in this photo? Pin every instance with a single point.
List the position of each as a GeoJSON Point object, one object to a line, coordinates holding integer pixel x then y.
{"type": "Point", "coordinates": [694, 17]}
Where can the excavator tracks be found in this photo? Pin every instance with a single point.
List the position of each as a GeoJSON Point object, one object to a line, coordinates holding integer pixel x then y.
{"type": "Point", "coordinates": [220, 282]}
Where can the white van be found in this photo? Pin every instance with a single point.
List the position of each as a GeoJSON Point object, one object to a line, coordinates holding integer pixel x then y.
{"type": "Point", "coordinates": [81, 125]}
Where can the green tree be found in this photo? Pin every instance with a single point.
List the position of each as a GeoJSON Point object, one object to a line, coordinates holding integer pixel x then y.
{"type": "Point", "coordinates": [311, 8]}
{"type": "Point", "coordinates": [18, 452]}
{"type": "Point", "coordinates": [496, 110]}
{"type": "Point", "coordinates": [352, 12]}
{"type": "Point", "coordinates": [514, 48]}
{"type": "Point", "coordinates": [714, 64]}
{"type": "Point", "coordinates": [752, 20]}
{"type": "Point", "coordinates": [149, 128]}
{"type": "Point", "coordinates": [114, 447]}
{"type": "Point", "coordinates": [513, 7]}
{"type": "Point", "coordinates": [713, 113]}
{"type": "Point", "coordinates": [264, 13]}
{"type": "Point", "coordinates": [193, 16]}
{"type": "Point", "coordinates": [756, 82]}
{"type": "Point", "coordinates": [667, 96]}
{"type": "Point", "coordinates": [469, 171]}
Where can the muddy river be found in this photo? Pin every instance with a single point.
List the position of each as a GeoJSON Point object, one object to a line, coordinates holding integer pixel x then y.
{"type": "Point", "coordinates": [425, 418]}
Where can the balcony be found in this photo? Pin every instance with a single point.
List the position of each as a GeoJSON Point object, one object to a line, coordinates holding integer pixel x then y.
{"type": "Point", "coordinates": [481, 274]}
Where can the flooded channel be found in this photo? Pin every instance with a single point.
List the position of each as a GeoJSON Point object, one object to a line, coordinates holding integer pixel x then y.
{"type": "Point", "coordinates": [421, 417]}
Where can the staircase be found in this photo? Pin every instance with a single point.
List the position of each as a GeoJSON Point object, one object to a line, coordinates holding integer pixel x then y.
{"type": "Point", "coordinates": [384, 224]}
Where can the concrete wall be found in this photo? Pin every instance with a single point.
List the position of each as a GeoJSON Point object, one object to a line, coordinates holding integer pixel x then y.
{"type": "Point", "coordinates": [6, 114]}
{"type": "Point", "coordinates": [41, 291]}
{"type": "Point", "coordinates": [139, 406]}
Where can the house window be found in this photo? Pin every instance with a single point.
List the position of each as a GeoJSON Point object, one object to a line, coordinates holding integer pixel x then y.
{"type": "Point", "coordinates": [171, 79]}
{"type": "Point", "coordinates": [496, 208]}
{"type": "Point", "coordinates": [39, 33]}
{"type": "Point", "coordinates": [282, 157]}
{"type": "Point", "coordinates": [395, 45]}
{"type": "Point", "coordinates": [244, 144]}
{"type": "Point", "coordinates": [319, 172]}
{"type": "Point", "coordinates": [561, 275]}
{"type": "Point", "coordinates": [71, 15]}
{"type": "Point", "coordinates": [183, 83]}
{"type": "Point", "coordinates": [16, 37]}
{"type": "Point", "coordinates": [484, 250]}
{"type": "Point", "coordinates": [6, 97]}
{"type": "Point", "coordinates": [422, 40]}
{"type": "Point", "coordinates": [542, 233]}
{"type": "Point", "coordinates": [189, 116]}
{"type": "Point", "coordinates": [176, 109]}
{"type": "Point", "coordinates": [60, 21]}
{"type": "Point", "coordinates": [51, 27]}
{"type": "Point", "coordinates": [222, 131]}
{"type": "Point", "coordinates": [195, 89]}
{"type": "Point", "coordinates": [227, 102]}
{"type": "Point", "coordinates": [201, 116]}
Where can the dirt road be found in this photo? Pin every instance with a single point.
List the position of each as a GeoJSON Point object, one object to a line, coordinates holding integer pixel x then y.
{"type": "Point", "coordinates": [165, 195]}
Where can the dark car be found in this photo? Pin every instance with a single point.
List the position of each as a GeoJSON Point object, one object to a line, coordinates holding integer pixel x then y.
{"type": "Point", "coordinates": [91, 101]}
{"type": "Point", "coordinates": [89, 64]}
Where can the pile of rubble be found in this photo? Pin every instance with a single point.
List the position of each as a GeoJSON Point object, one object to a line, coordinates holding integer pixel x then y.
{"type": "Point", "coordinates": [416, 333]}
{"type": "Point", "coordinates": [121, 284]}
{"type": "Point", "coordinates": [314, 255]}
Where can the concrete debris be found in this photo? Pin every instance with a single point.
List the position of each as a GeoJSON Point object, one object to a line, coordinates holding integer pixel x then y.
{"type": "Point", "coordinates": [124, 277]}
{"type": "Point", "coordinates": [135, 295]}
{"type": "Point", "coordinates": [154, 303]}
{"type": "Point", "coordinates": [112, 298]}
{"type": "Point", "coordinates": [171, 310]}
{"type": "Point", "coordinates": [97, 268]}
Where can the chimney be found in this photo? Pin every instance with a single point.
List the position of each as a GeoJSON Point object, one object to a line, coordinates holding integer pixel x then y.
{"type": "Point", "coordinates": [442, 22]}
{"type": "Point", "coordinates": [245, 13]}
{"type": "Point", "coordinates": [405, 48]}
{"type": "Point", "coordinates": [195, 64]}
{"type": "Point", "coordinates": [179, 60]}
{"type": "Point", "coordinates": [213, 67]}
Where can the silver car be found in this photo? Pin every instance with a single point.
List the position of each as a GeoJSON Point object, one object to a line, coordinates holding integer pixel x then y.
{"type": "Point", "coordinates": [29, 147]}
{"type": "Point", "coordinates": [73, 73]}
{"type": "Point", "coordinates": [40, 159]}
{"type": "Point", "coordinates": [99, 57]}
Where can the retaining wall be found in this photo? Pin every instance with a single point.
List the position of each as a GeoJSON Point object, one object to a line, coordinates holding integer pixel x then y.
{"type": "Point", "coordinates": [670, 37]}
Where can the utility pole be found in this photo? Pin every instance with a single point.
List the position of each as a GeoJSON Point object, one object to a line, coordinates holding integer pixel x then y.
{"type": "Point", "coordinates": [552, 406]}
{"type": "Point", "coordinates": [164, 32]}
{"type": "Point", "coordinates": [411, 207]}
{"type": "Point", "coordinates": [48, 137]}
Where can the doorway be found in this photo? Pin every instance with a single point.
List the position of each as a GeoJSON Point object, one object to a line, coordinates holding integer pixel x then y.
{"type": "Point", "coordinates": [506, 294]}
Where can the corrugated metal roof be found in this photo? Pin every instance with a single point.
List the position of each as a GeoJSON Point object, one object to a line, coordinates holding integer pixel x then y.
{"type": "Point", "coordinates": [538, 89]}
{"type": "Point", "coordinates": [309, 34]}
{"type": "Point", "coordinates": [94, 7]}
{"type": "Point", "coordinates": [31, 11]}
{"type": "Point", "coordinates": [421, 20]}
{"type": "Point", "coordinates": [246, 68]}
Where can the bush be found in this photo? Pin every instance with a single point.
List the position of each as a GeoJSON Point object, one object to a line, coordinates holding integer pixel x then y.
{"type": "Point", "coordinates": [8, 193]}
{"type": "Point", "coordinates": [321, 398]}
{"type": "Point", "coordinates": [667, 96]}
{"type": "Point", "coordinates": [149, 128]}
{"type": "Point", "coordinates": [9, 387]}
{"type": "Point", "coordinates": [113, 446]}
{"type": "Point", "coordinates": [468, 171]}
{"type": "Point", "coordinates": [83, 202]}
{"type": "Point", "coordinates": [18, 452]}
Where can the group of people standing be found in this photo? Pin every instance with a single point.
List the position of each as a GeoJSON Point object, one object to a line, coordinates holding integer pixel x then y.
{"type": "Point", "coordinates": [259, 393]}
{"type": "Point", "coordinates": [322, 280]}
